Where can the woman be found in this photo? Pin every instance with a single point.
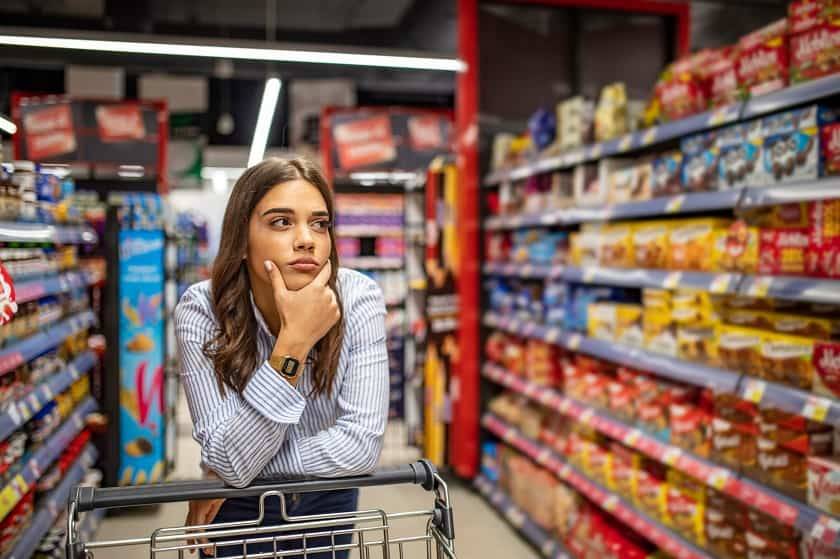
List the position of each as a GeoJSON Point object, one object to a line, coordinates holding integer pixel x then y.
{"type": "Point", "coordinates": [283, 355]}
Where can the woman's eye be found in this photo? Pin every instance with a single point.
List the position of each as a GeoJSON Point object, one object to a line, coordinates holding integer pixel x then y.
{"type": "Point", "coordinates": [280, 222]}
{"type": "Point", "coordinates": [322, 225]}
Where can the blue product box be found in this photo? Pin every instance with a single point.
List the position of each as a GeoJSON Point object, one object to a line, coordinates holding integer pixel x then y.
{"type": "Point", "coordinates": [667, 170]}
{"type": "Point", "coordinates": [739, 149]}
{"type": "Point", "coordinates": [792, 150]}
{"type": "Point", "coordinates": [577, 304]}
{"type": "Point", "coordinates": [554, 303]}
{"type": "Point", "coordinates": [490, 461]}
{"type": "Point", "coordinates": [545, 249]}
{"type": "Point", "coordinates": [700, 162]}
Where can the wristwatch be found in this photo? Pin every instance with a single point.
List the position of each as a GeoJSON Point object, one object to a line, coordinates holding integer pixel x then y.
{"type": "Point", "coordinates": [287, 366]}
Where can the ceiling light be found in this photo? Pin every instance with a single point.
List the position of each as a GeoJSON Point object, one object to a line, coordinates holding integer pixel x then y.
{"type": "Point", "coordinates": [239, 53]}
{"type": "Point", "coordinates": [7, 125]}
{"type": "Point", "coordinates": [266, 115]}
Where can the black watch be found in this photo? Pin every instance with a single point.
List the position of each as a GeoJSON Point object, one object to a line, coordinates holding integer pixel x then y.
{"type": "Point", "coordinates": [289, 366]}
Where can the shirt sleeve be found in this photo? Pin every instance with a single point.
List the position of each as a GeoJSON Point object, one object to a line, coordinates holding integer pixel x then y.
{"type": "Point", "coordinates": [238, 434]}
{"type": "Point", "coordinates": [352, 446]}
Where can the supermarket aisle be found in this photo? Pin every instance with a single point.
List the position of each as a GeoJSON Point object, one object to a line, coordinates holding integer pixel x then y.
{"type": "Point", "coordinates": [480, 532]}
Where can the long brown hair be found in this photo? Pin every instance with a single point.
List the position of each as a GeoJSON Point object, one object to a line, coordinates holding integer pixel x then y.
{"type": "Point", "coordinates": [233, 348]}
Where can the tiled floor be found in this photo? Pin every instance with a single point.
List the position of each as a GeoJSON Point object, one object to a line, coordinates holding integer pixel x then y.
{"type": "Point", "coordinates": [480, 533]}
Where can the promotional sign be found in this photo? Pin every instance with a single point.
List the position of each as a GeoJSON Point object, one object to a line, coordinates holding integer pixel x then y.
{"type": "Point", "coordinates": [50, 132]}
{"type": "Point", "coordinates": [141, 356]}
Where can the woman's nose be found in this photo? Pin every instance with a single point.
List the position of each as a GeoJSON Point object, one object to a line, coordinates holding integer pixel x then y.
{"type": "Point", "coordinates": [303, 239]}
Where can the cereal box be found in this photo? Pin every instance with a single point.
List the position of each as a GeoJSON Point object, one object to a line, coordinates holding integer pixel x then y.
{"type": "Point", "coordinates": [667, 170]}
{"type": "Point", "coordinates": [762, 63]}
{"type": "Point", "coordinates": [630, 184]}
{"type": "Point", "coordinates": [792, 143]}
{"type": "Point", "coordinates": [824, 484]}
{"type": "Point", "coordinates": [651, 244]}
{"type": "Point", "coordinates": [700, 162]}
{"type": "Point", "coordinates": [617, 246]}
{"type": "Point", "coordinates": [739, 147]}
{"type": "Point", "coordinates": [693, 245]}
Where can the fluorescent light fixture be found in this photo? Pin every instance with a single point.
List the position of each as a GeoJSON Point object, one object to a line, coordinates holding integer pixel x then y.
{"type": "Point", "coordinates": [232, 173]}
{"type": "Point", "coordinates": [372, 177]}
{"type": "Point", "coordinates": [7, 126]}
{"type": "Point", "coordinates": [266, 115]}
{"type": "Point", "coordinates": [239, 53]}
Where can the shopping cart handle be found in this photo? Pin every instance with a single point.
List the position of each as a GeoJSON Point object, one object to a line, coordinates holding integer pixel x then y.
{"type": "Point", "coordinates": [421, 472]}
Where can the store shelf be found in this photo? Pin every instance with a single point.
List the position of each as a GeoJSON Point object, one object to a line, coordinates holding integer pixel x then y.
{"type": "Point", "coordinates": [537, 536]}
{"type": "Point", "coordinates": [50, 508]}
{"type": "Point", "coordinates": [373, 263]}
{"type": "Point", "coordinates": [18, 413]}
{"type": "Point", "coordinates": [649, 528]}
{"type": "Point", "coordinates": [751, 493]}
{"type": "Point", "coordinates": [42, 458]}
{"type": "Point", "coordinates": [30, 290]}
{"type": "Point", "coordinates": [763, 393]}
{"type": "Point", "coordinates": [17, 232]}
{"type": "Point", "coordinates": [368, 231]}
{"type": "Point", "coordinates": [628, 277]}
{"type": "Point", "coordinates": [27, 349]}
{"type": "Point", "coordinates": [795, 288]}
{"type": "Point", "coordinates": [792, 96]}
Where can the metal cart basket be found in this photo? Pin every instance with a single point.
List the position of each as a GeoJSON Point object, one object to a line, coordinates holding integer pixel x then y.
{"type": "Point", "coordinates": [372, 532]}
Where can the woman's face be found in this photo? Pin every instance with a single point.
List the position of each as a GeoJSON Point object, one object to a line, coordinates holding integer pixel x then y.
{"type": "Point", "coordinates": [290, 227]}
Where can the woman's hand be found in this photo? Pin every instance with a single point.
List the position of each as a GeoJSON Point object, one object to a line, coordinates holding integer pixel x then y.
{"type": "Point", "coordinates": [201, 513]}
{"type": "Point", "coordinates": [307, 314]}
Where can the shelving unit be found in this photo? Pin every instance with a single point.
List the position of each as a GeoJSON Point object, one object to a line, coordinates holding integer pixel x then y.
{"type": "Point", "coordinates": [641, 523]}
{"type": "Point", "coordinates": [20, 352]}
{"type": "Point", "coordinates": [537, 536]}
{"type": "Point", "coordinates": [18, 232]}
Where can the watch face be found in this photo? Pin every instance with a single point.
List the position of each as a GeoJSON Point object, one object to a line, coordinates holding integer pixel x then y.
{"type": "Point", "coordinates": [289, 367]}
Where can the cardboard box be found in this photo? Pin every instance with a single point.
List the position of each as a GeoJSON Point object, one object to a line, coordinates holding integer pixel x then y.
{"type": "Point", "coordinates": [783, 251]}
{"type": "Point", "coordinates": [698, 343]}
{"type": "Point", "coordinates": [814, 40]}
{"type": "Point", "coordinates": [575, 117]}
{"type": "Point", "coordinates": [740, 149]}
{"type": "Point", "coordinates": [739, 349]}
{"type": "Point", "coordinates": [824, 484]}
{"type": "Point", "coordinates": [630, 184]}
{"type": "Point", "coordinates": [682, 88]}
{"type": "Point", "coordinates": [689, 428]}
{"type": "Point", "coordinates": [787, 359]}
{"type": "Point", "coordinates": [660, 331]}
{"type": "Point", "coordinates": [667, 174]}
{"type": "Point", "coordinates": [824, 244]}
{"type": "Point", "coordinates": [740, 248]}
{"type": "Point", "coordinates": [782, 468]}
{"type": "Point", "coordinates": [722, 82]}
{"type": "Point", "coordinates": [693, 243]}
{"type": "Point", "coordinates": [617, 246]}
{"type": "Point", "coordinates": [762, 63]}
{"type": "Point", "coordinates": [792, 143]}
{"type": "Point", "coordinates": [651, 244]}
{"type": "Point", "coordinates": [588, 188]}
{"type": "Point", "coordinates": [700, 162]}
{"type": "Point", "coordinates": [826, 363]}
{"type": "Point", "coordinates": [628, 329]}
{"type": "Point", "coordinates": [808, 14]}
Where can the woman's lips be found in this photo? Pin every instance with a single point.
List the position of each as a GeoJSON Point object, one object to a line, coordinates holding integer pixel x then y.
{"type": "Point", "coordinates": [304, 266]}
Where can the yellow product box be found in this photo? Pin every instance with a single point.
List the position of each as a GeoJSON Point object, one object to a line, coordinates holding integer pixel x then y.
{"type": "Point", "coordinates": [787, 359]}
{"type": "Point", "coordinates": [617, 246]}
{"type": "Point", "coordinates": [698, 343]}
{"type": "Point", "coordinates": [819, 328]}
{"type": "Point", "coordinates": [695, 315]}
{"type": "Point", "coordinates": [622, 470]}
{"type": "Point", "coordinates": [739, 248]}
{"type": "Point", "coordinates": [659, 330]}
{"type": "Point", "coordinates": [585, 247]}
{"type": "Point", "coordinates": [692, 298]}
{"type": "Point", "coordinates": [628, 325]}
{"type": "Point", "coordinates": [747, 318]}
{"type": "Point", "coordinates": [686, 506]}
{"type": "Point", "coordinates": [651, 244]}
{"type": "Point", "coordinates": [656, 298]}
{"type": "Point", "coordinates": [601, 321]}
{"type": "Point", "coordinates": [694, 244]}
{"type": "Point", "coordinates": [739, 349]}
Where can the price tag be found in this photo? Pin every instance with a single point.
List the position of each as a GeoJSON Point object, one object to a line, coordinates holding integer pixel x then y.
{"type": "Point", "coordinates": [530, 390]}
{"type": "Point", "coordinates": [718, 479]}
{"type": "Point", "coordinates": [574, 342]}
{"type": "Point", "coordinates": [515, 517]}
{"type": "Point", "coordinates": [596, 151]}
{"type": "Point", "coordinates": [672, 280]}
{"type": "Point", "coordinates": [565, 471]}
{"type": "Point", "coordinates": [719, 116]}
{"type": "Point", "coordinates": [720, 283]}
{"type": "Point", "coordinates": [48, 393]}
{"type": "Point", "coordinates": [625, 142]}
{"type": "Point", "coordinates": [760, 286]}
{"type": "Point", "coordinates": [564, 406]}
{"type": "Point", "coordinates": [543, 457]}
{"type": "Point", "coordinates": [754, 390]}
{"type": "Point", "coordinates": [610, 503]}
{"type": "Point", "coordinates": [586, 416]}
{"type": "Point", "coordinates": [816, 408]}
{"type": "Point", "coordinates": [818, 530]}
{"type": "Point", "coordinates": [33, 401]}
{"type": "Point", "coordinates": [548, 548]}
{"type": "Point", "coordinates": [649, 136]}
{"type": "Point", "coordinates": [671, 456]}
{"type": "Point", "coordinates": [675, 204]}
{"type": "Point", "coordinates": [25, 412]}
{"type": "Point", "coordinates": [14, 414]}
{"type": "Point", "coordinates": [547, 219]}
{"type": "Point", "coordinates": [78, 421]}
{"type": "Point", "coordinates": [632, 437]}
{"type": "Point", "coordinates": [545, 397]}
{"type": "Point", "coordinates": [552, 335]}
{"type": "Point", "coordinates": [589, 274]}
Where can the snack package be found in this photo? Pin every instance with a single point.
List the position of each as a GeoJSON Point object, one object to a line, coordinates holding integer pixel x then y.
{"type": "Point", "coordinates": [660, 331]}
{"type": "Point", "coordinates": [651, 244]}
{"type": "Point", "coordinates": [611, 113]}
{"type": "Point", "coordinates": [740, 248]}
{"type": "Point", "coordinates": [734, 444]}
{"type": "Point", "coordinates": [783, 252]}
{"type": "Point", "coordinates": [667, 174]}
{"type": "Point", "coordinates": [770, 546]}
{"type": "Point", "coordinates": [826, 363]}
{"type": "Point", "coordinates": [782, 468]}
{"type": "Point", "coordinates": [792, 143]}
{"type": "Point", "coordinates": [689, 428]}
{"type": "Point", "coordinates": [628, 326]}
{"type": "Point", "coordinates": [589, 191]}
{"type": "Point", "coordinates": [739, 148]}
{"type": "Point", "coordinates": [693, 244]}
{"type": "Point", "coordinates": [621, 470]}
{"type": "Point", "coordinates": [787, 359]}
{"type": "Point", "coordinates": [602, 318]}
{"type": "Point", "coordinates": [726, 522]}
{"type": "Point", "coordinates": [631, 184]}
{"type": "Point", "coordinates": [722, 80]}
{"type": "Point", "coordinates": [575, 117]}
{"type": "Point", "coordinates": [617, 246]}
{"type": "Point", "coordinates": [739, 349]}
{"type": "Point", "coordinates": [796, 433]}
{"type": "Point", "coordinates": [700, 162]}
{"type": "Point", "coordinates": [814, 39]}
{"type": "Point", "coordinates": [681, 89]}
{"type": "Point", "coordinates": [824, 242]}
{"type": "Point", "coordinates": [824, 484]}
{"type": "Point", "coordinates": [686, 505]}
{"type": "Point", "coordinates": [762, 64]}
{"type": "Point", "coordinates": [651, 488]}
{"type": "Point", "coordinates": [698, 343]}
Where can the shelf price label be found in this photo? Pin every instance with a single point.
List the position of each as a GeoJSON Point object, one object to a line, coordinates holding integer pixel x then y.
{"type": "Point", "coordinates": [589, 274]}
{"type": "Point", "coordinates": [816, 408]}
{"type": "Point", "coordinates": [515, 517]}
{"type": "Point", "coordinates": [760, 286]}
{"type": "Point", "coordinates": [672, 280]}
{"type": "Point", "coordinates": [574, 342]}
{"type": "Point", "coordinates": [720, 283]}
{"type": "Point", "coordinates": [610, 503]}
{"type": "Point", "coordinates": [632, 437]}
{"type": "Point", "coordinates": [552, 335]}
{"type": "Point", "coordinates": [675, 204]}
{"type": "Point", "coordinates": [649, 136]}
{"type": "Point", "coordinates": [671, 456]}
{"type": "Point", "coordinates": [754, 390]}
{"type": "Point", "coordinates": [549, 548]}
{"type": "Point", "coordinates": [626, 142]}
{"type": "Point", "coordinates": [596, 151]}
{"type": "Point", "coordinates": [719, 116]}
{"type": "Point", "coordinates": [586, 416]}
{"type": "Point", "coordinates": [718, 479]}
{"type": "Point", "coordinates": [543, 457]}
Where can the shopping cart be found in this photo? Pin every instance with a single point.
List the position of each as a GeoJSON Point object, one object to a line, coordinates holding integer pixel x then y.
{"type": "Point", "coordinates": [373, 530]}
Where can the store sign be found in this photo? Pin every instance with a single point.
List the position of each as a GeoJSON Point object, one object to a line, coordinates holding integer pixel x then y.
{"type": "Point", "coordinates": [425, 133]}
{"type": "Point", "coordinates": [142, 427]}
{"type": "Point", "coordinates": [365, 142]}
{"type": "Point", "coordinates": [49, 132]}
{"type": "Point", "coordinates": [120, 123]}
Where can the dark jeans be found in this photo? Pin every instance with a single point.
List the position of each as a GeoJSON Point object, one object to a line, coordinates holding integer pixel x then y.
{"type": "Point", "coordinates": [301, 504]}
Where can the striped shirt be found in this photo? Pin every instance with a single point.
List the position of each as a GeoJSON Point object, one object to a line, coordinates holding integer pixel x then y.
{"type": "Point", "coordinates": [273, 428]}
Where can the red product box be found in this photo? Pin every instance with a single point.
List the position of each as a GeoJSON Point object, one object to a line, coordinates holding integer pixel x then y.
{"type": "Point", "coordinates": [689, 428]}
{"type": "Point", "coordinates": [807, 14]}
{"type": "Point", "coordinates": [783, 251]}
{"type": "Point", "coordinates": [826, 361]}
{"type": "Point", "coordinates": [824, 245]}
{"type": "Point", "coordinates": [723, 79]}
{"type": "Point", "coordinates": [830, 146]}
{"type": "Point", "coordinates": [762, 63]}
{"type": "Point", "coordinates": [816, 52]}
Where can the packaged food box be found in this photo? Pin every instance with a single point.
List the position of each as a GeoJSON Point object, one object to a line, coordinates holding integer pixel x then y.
{"type": "Point", "coordinates": [651, 488]}
{"type": "Point", "coordinates": [761, 547]}
{"type": "Point", "coordinates": [722, 84]}
{"type": "Point", "coordinates": [693, 244]}
{"type": "Point", "coordinates": [584, 248]}
{"type": "Point", "coordinates": [787, 359]}
{"type": "Point", "coordinates": [797, 433]}
{"type": "Point", "coordinates": [622, 401]}
{"type": "Point", "coordinates": [588, 188]}
{"type": "Point", "coordinates": [659, 330]}
{"type": "Point", "coordinates": [783, 251]}
{"type": "Point", "coordinates": [826, 363]}
{"type": "Point", "coordinates": [782, 468]}
{"type": "Point", "coordinates": [628, 325]}
{"type": "Point", "coordinates": [621, 470]}
{"type": "Point", "coordinates": [792, 143]}
{"type": "Point", "coordinates": [601, 322]}
{"type": "Point", "coordinates": [740, 248]}
{"type": "Point", "coordinates": [667, 174]}
{"type": "Point", "coordinates": [686, 505]}
{"type": "Point", "coordinates": [824, 484]}
{"type": "Point", "coordinates": [734, 444]}
{"type": "Point", "coordinates": [656, 298]}
{"type": "Point", "coordinates": [681, 89]}
{"type": "Point", "coordinates": [739, 150]}
{"type": "Point", "coordinates": [803, 325]}
{"type": "Point", "coordinates": [700, 162]}
{"type": "Point", "coordinates": [723, 537]}
{"type": "Point", "coordinates": [814, 39]}
{"type": "Point", "coordinates": [617, 246]}
{"type": "Point", "coordinates": [739, 349]}
{"type": "Point", "coordinates": [611, 112]}
{"type": "Point", "coordinates": [651, 244]}
{"type": "Point", "coordinates": [689, 428]}
{"type": "Point", "coordinates": [575, 117]}
{"type": "Point", "coordinates": [824, 242]}
{"type": "Point", "coordinates": [762, 64]}
{"type": "Point", "coordinates": [631, 184]}
{"type": "Point", "coordinates": [813, 547]}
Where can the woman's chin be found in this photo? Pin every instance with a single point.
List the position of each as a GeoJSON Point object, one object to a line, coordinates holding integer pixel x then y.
{"type": "Point", "coordinates": [297, 280]}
